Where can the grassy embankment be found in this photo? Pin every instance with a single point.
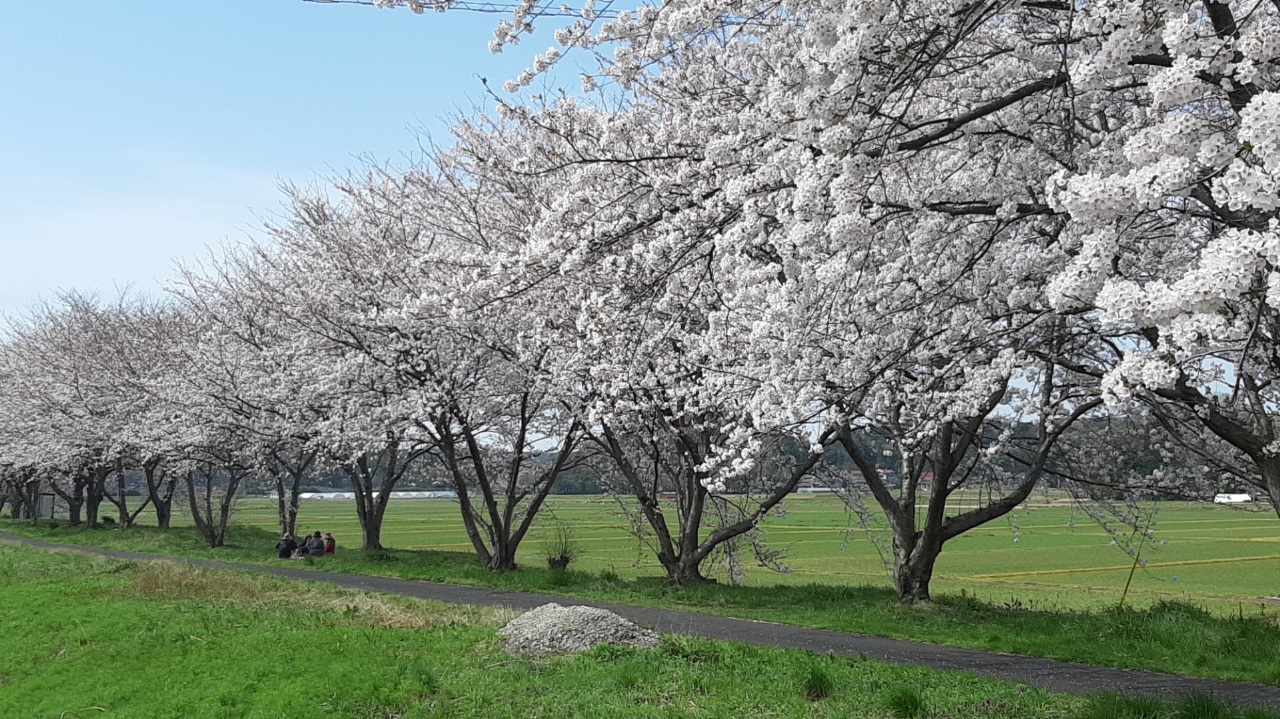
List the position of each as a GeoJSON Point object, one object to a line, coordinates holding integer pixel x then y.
{"type": "Point", "coordinates": [1170, 637]}
{"type": "Point", "coordinates": [92, 637]}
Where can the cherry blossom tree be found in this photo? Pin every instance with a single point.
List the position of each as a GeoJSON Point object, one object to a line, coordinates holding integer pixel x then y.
{"type": "Point", "coordinates": [857, 200]}
{"type": "Point", "coordinates": [385, 291]}
{"type": "Point", "coordinates": [280, 393]}
{"type": "Point", "coordinates": [209, 440]}
{"type": "Point", "coordinates": [1174, 221]}
{"type": "Point", "coordinates": [70, 404]}
{"type": "Point", "coordinates": [1128, 149]}
{"type": "Point", "coordinates": [149, 350]}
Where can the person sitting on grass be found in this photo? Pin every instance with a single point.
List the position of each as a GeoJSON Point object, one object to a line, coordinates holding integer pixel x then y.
{"type": "Point", "coordinates": [286, 546]}
{"type": "Point", "coordinates": [315, 545]}
{"type": "Point", "coordinates": [330, 544]}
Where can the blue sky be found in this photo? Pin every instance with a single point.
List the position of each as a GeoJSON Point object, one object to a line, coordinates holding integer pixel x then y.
{"type": "Point", "coordinates": [134, 132]}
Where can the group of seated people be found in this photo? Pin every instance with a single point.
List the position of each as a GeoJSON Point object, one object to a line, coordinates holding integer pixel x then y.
{"type": "Point", "coordinates": [312, 546]}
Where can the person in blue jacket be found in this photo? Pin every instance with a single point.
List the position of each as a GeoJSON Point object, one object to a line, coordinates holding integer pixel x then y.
{"type": "Point", "coordinates": [315, 545]}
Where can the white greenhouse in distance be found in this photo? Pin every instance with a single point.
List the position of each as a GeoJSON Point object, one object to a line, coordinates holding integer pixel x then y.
{"type": "Point", "coordinates": [394, 495]}
{"type": "Point", "coordinates": [1220, 498]}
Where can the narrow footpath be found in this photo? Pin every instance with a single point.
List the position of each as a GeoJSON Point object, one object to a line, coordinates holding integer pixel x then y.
{"type": "Point", "coordinates": [1053, 675]}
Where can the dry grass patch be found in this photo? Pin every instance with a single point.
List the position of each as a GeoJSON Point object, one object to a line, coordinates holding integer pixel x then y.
{"type": "Point", "coordinates": [175, 580]}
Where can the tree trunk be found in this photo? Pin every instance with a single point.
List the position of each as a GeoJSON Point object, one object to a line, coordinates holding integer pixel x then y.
{"type": "Point", "coordinates": [912, 580]}
{"type": "Point", "coordinates": [288, 494]}
{"type": "Point", "coordinates": [74, 509]}
{"type": "Point", "coordinates": [159, 491]}
{"type": "Point", "coordinates": [682, 556]}
{"type": "Point", "coordinates": [371, 505]}
{"type": "Point", "coordinates": [504, 523]}
{"type": "Point", "coordinates": [203, 516]}
{"type": "Point", "coordinates": [362, 476]}
{"type": "Point", "coordinates": [95, 492]}
{"type": "Point", "coordinates": [31, 498]}
{"type": "Point", "coordinates": [121, 502]}
{"type": "Point", "coordinates": [287, 503]}
{"type": "Point", "coordinates": [503, 556]}
{"type": "Point", "coordinates": [227, 504]}
{"type": "Point", "coordinates": [74, 498]}
{"type": "Point", "coordinates": [164, 510]}
{"type": "Point", "coordinates": [1269, 468]}
{"type": "Point", "coordinates": [913, 561]}
{"type": "Point", "coordinates": [1236, 432]}
{"type": "Point", "coordinates": [15, 502]}
{"type": "Point", "coordinates": [92, 502]}
{"type": "Point", "coordinates": [685, 570]}
{"type": "Point", "coordinates": [469, 517]}
{"type": "Point", "coordinates": [371, 534]}
{"type": "Point", "coordinates": [915, 551]}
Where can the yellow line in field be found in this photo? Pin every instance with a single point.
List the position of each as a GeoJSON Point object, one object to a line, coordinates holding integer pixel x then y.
{"type": "Point", "coordinates": [1121, 566]}
{"type": "Point", "coordinates": [1116, 590]}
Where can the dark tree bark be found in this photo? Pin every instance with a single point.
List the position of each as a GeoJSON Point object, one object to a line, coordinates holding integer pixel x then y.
{"type": "Point", "coordinates": [370, 505]}
{"type": "Point", "coordinates": [31, 499]}
{"type": "Point", "coordinates": [287, 472]}
{"type": "Point", "coordinates": [95, 492]}
{"type": "Point", "coordinates": [13, 493]}
{"type": "Point", "coordinates": [1250, 431]}
{"type": "Point", "coordinates": [210, 516]}
{"type": "Point", "coordinates": [119, 499]}
{"type": "Point", "coordinates": [1244, 419]}
{"type": "Point", "coordinates": [160, 488]}
{"type": "Point", "coordinates": [682, 554]}
{"type": "Point", "coordinates": [952, 457]}
{"type": "Point", "coordinates": [384, 469]}
{"type": "Point", "coordinates": [510, 500]}
{"type": "Point", "coordinates": [75, 497]}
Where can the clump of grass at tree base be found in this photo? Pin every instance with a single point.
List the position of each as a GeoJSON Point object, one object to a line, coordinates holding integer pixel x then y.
{"type": "Point", "coordinates": [106, 634]}
{"type": "Point", "coordinates": [1169, 636]}
{"type": "Point", "coordinates": [560, 548]}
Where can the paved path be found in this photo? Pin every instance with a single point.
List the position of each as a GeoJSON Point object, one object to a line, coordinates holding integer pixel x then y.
{"type": "Point", "coordinates": [1044, 673]}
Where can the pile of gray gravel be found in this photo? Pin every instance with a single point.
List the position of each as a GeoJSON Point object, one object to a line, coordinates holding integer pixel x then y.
{"type": "Point", "coordinates": [553, 629]}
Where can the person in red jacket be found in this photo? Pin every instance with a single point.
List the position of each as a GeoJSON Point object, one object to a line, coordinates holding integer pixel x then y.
{"type": "Point", "coordinates": [330, 544]}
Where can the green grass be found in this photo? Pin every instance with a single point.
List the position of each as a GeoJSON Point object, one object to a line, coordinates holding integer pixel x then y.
{"type": "Point", "coordinates": [1225, 558]}
{"type": "Point", "coordinates": [906, 702]}
{"type": "Point", "coordinates": [1211, 553]}
{"type": "Point", "coordinates": [818, 683]}
{"type": "Point", "coordinates": [91, 637]}
{"type": "Point", "coordinates": [1112, 705]}
{"type": "Point", "coordinates": [1201, 634]}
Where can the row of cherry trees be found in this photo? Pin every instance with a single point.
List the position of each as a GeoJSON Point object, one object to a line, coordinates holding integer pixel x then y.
{"type": "Point", "coordinates": [918, 221]}
{"type": "Point", "coordinates": [960, 230]}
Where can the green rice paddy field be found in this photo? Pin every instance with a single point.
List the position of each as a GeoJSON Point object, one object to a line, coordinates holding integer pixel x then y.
{"type": "Point", "coordinates": [1213, 555]}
